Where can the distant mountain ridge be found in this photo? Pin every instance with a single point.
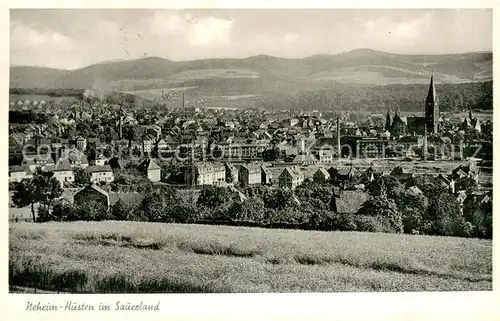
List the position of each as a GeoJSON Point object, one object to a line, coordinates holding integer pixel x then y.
{"type": "Point", "coordinates": [262, 74]}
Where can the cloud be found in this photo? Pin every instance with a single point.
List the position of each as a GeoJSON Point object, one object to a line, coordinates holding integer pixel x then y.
{"type": "Point", "coordinates": [26, 37]}
{"type": "Point", "coordinates": [210, 30]}
{"type": "Point", "coordinates": [291, 37]}
{"type": "Point", "coordinates": [369, 25]}
{"type": "Point", "coordinates": [198, 31]}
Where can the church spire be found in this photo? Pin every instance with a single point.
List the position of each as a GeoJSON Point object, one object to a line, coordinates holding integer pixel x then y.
{"type": "Point", "coordinates": [388, 119]}
{"type": "Point", "coordinates": [432, 107]}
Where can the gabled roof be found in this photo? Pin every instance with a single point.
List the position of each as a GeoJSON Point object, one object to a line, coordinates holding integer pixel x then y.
{"type": "Point", "coordinates": [98, 169]}
{"type": "Point", "coordinates": [95, 188]}
{"type": "Point", "coordinates": [304, 158]}
{"type": "Point", "coordinates": [63, 166]}
{"type": "Point", "coordinates": [323, 171]}
{"type": "Point", "coordinates": [293, 172]}
{"type": "Point", "coordinates": [19, 169]}
{"type": "Point", "coordinates": [343, 171]}
{"type": "Point", "coordinates": [37, 158]}
{"type": "Point", "coordinates": [414, 190]}
{"type": "Point", "coordinates": [149, 164]}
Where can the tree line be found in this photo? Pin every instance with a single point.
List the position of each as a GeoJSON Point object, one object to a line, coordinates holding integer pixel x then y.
{"type": "Point", "coordinates": [389, 209]}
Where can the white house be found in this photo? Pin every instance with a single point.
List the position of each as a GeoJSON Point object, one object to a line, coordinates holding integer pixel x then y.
{"type": "Point", "coordinates": [100, 174]}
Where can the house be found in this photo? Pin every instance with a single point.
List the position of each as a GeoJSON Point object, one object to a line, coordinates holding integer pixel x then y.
{"type": "Point", "coordinates": [305, 159]}
{"type": "Point", "coordinates": [461, 197]}
{"type": "Point", "coordinates": [414, 191]}
{"type": "Point", "coordinates": [81, 143]}
{"type": "Point", "coordinates": [37, 160]}
{"type": "Point", "coordinates": [63, 172]}
{"type": "Point", "coordinates": [250, 174]}
{"type": "Point", "coordinates": [154, 131]}
{"type": "Point", "coordinates": [18, 173]}
{"type": "Point", "coordinates": [162, 145]}
{"type": "Point", "coordinates": [94, 142]}
{"type": "Point", "coordinates": [345, 174]}
{"type": "Point", "coordinates": [148, 143]}
{"type": "Point", "coordinates": [321, 176]}
{"type": "Point", "coordinates": [100, 160]}
{"type": "Point", "coordinates": [368, 175]}
{"type": "Point", "coordinates": [266, 175]}
{"type": "Point", "coordinates": [76, 158]}
{"type": "Point", "coordinates": [231, 173]}
{"type": "Point", "coordinates": [151, 169]}
{"type": "Point", "coordinates": [349, 201]}
{"type": "Point", "coordinates": [100, 174]}
{"type": "Point", "coordinates": [205, 174]}
{"type": "Point", "coordinates": [446, 182]}
{"type": "Point", "coordinates": [402, 173]}
{"type": "Point", "coordinates": [325, 156]}
{"type": "Point", "coordinates": [469, 171]}
{"type": "Point", "coordinates": [290, 177]}
{"type": "Point", "coordinates": [92, 193]}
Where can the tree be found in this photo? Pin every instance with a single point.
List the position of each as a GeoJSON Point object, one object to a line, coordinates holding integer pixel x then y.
{"type": "Point", "coordinates": [480, 217]}
{"type": "Point", "coordinates": [51, 189]}
{"type": "Point", "coordinates": [131, 133]}
{"type": "Point", "coordinates": [41, 188]}
{"type": "Point", "coordinates": [443, 216]}
{"type": "Point", "coordinates": [279, 199]}
{"type": "Point", "coordinates": [272, 154]}
{"type": "Point", "coordinates": [252, 209]}
{"type": "Point", "coordinates": [428, 184]}
{"type": "Point", "coordinates": [155, 204]}
{"type": "Point", "coordinates": [61, 211]}
{"type": "Point", "coordinates": [393, 187]}
{"type": "Point", "coordinates": [82, 178]}
{"type": "Point", "coordinates": [91, 211]}
{"type": "Point", "coordinates": [184, 213]}
{"type": "Point", "coordinates": [25, 194]}
{"type": "Point", "coordinates": [214, 197]}
{"type": "Point", "coordinates": [122, 211]}
{"type": "Point", "coordinates": [466, 184]}
{"type": "Point", "coordinates": [386, 211]}
{"type": "Point", "coordinates": [412, 209]}
{"type": "Point", "coordinates": [321, 193]}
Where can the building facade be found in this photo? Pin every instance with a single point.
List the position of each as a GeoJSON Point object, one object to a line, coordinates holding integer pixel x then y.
{"type": "Point", "coordinates": [250, 174]}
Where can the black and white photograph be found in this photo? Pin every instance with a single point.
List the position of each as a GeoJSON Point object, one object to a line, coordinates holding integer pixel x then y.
{"type": "Point", "coordinates": [155, 151]}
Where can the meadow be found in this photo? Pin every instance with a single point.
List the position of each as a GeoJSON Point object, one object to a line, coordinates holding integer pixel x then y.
{"type": "Point", "coordinates": [132, 257]}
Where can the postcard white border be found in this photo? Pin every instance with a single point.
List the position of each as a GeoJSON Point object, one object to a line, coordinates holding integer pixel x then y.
{"type": "Point", "coordinates": [338, 306]}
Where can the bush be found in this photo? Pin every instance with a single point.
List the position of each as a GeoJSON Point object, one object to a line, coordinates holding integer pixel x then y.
{"type": "Point", "coordinates": [344, 222]}
{"type": "Point", "coordinates": [90, 211]}
{"type": "Point", "coordinates": [367, 223]}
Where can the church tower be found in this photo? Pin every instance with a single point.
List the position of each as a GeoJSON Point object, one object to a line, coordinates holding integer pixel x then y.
{"type": "Point", "coordinates": [432, 108]}
{"type": "Point", "coordinates": [388, 120]}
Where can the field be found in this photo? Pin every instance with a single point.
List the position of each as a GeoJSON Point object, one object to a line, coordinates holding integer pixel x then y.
{"type": "Point", "coordinates": [119, 257]}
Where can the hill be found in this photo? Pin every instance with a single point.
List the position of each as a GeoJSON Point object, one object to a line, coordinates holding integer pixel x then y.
{"type": "Point", "coordinates": [265, 73]}
{"type": "Point", "coordinates": [137, 257]}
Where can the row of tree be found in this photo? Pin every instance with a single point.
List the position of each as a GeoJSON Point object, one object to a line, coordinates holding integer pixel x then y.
{"type": "Point", "coordinates": [311, 206]}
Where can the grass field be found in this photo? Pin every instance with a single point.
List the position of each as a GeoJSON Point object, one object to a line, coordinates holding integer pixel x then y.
{"type": "Point", "coordinates": [119, 257]}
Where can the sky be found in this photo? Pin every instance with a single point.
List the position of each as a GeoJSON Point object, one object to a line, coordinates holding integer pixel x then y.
{"type": "Point", "coordinates": [75, 38]}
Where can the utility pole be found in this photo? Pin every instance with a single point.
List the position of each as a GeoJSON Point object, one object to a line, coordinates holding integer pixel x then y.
{"type": "Point", "coordinates": [338, 139]}
{"type": "Point", "coordinates": [121, 122]}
